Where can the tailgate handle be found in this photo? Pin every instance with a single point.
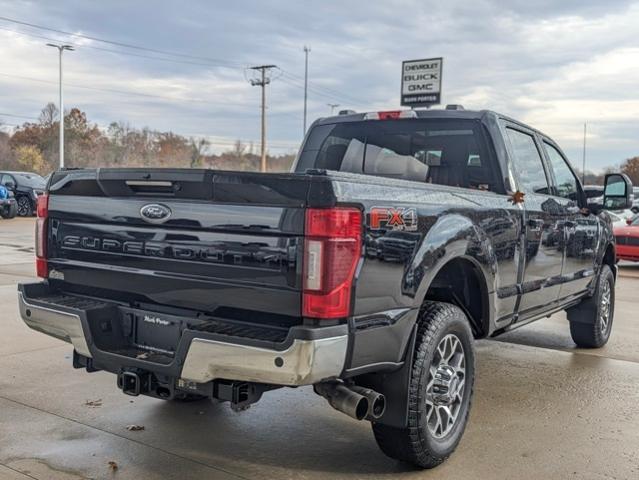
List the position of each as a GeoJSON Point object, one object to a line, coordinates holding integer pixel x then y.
{"type": "Point", "coordinates": [159, 187]}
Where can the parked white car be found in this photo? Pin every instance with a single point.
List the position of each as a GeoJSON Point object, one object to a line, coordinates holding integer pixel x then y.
{"type": "Point", "coordinates": [620, 217]}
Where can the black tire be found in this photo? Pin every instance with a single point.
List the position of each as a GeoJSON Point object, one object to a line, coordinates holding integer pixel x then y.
{"type": "Point", "coordinates": [416, 443]}
{"type": "Point", "coordinates": [25, 207]}
{"type": "Point", "coordinates": [5, 212]}
{"type": "Point", "coordinates": [587, 326]}
{"type": "Point", "coordinates": [13, 211]}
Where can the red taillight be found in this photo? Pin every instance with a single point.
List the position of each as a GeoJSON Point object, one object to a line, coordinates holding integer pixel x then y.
{"type": "Point", "coordinates": [390, 115]}
{"type": "Point", "coordinates": [42, 267]}
{"type": "Point", "coordinates": [332, 247]}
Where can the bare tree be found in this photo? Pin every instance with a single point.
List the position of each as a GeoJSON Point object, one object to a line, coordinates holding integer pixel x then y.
{"type": "Point", "coordinates": [48, 115]}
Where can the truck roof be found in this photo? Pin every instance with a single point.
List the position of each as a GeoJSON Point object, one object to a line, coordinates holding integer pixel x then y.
{"type": "Point", "coordinates": [431, 113]}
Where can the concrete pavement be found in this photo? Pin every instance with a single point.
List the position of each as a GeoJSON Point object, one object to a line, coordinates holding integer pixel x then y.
{"type": "Point", "coordinates": [542, 409]}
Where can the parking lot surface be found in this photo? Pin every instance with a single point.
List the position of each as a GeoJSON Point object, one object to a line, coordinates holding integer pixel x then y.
{"type": "Point", "coordinates": [542, 409]}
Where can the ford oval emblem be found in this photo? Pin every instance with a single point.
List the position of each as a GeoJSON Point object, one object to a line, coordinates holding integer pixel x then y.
{"type": "Point", "coordinates": [155, 213]}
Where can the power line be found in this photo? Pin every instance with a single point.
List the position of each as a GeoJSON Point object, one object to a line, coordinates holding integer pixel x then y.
{"type": "Point", "coordinates": [17, 116]}
{"type": "Point", "coordinates": [318, 90]}
{"type": "Point", "coordinates": [117, 52]}
{"type": "Point", "coordinates": [122, 44]}
{"type": "Point", "coordinates": [145, 95]}
{"type": "Point", "coordinates": [328, 91]}
{"type": "Point", "coordinates": [299, 84]}
{"type": "Point", "coordinates": [125, 92]}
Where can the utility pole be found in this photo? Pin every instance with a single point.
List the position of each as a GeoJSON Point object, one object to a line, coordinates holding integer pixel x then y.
{"type": "Point", "coordinates": [61, 48]}
{"type": "Point", "coordinates": [262, 81]}
{"type": "Point", "coordinates": [583, 171]}
{"type": "Point", "coordinates": [306, 50]}
{"type": "Point", "coordinates": [333, 106]}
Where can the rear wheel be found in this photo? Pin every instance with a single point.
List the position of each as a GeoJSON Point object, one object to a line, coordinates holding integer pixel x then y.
{"type": "Point", "coordinates": [591, 320]}
{"type": "Point", "coordinates": [8, 212]}
{"type": "Point", "coordinates": [25, 207]}
{"type": "Point", "coordinates": [440, 390]}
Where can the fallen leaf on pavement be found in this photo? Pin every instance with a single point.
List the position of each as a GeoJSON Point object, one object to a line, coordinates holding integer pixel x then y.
{"type": "Point", "coordinates": [94, 403]}
{"type": "Point", "coordinates": [113, 466]}
{"type": "Point", "coordinates": [135, 428]}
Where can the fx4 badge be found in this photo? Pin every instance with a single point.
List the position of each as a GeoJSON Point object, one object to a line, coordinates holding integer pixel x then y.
{"type": "Point", "coordinates": [393, 218]}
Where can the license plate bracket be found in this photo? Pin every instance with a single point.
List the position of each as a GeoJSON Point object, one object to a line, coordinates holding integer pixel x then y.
{"type": "Point", "coordinates": [157, 332]}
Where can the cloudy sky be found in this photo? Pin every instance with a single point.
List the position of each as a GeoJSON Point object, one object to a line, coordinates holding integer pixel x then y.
{"type": "Point", "coordinates": [552, 64]}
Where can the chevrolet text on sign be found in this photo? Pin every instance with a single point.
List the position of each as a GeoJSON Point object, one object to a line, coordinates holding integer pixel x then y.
{"type": "Point", "coordinates": [421, 82]}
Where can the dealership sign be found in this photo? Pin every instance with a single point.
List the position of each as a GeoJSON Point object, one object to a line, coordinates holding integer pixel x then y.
{"type": "Point", "coordinates": [422, 82]}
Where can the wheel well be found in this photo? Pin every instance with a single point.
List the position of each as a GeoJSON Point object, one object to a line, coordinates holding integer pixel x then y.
{"type": "Point", "coordinates": [461, 283]}
{"type": "Point", "coordinates": [609, 257]}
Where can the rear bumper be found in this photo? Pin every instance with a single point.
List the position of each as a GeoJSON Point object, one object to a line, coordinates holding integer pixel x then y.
{"type": "Point", "coordinates": [307, 355]}
{"type": "Point", "coordinates": [59, 324]}
{"type": "Point", "coordinates": [7, 203]}
{"type": "Point", "coordinates": [303, 363]}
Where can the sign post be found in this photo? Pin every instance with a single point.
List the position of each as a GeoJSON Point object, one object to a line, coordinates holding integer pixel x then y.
{"type": "Point", "coordinates": [422, 82]}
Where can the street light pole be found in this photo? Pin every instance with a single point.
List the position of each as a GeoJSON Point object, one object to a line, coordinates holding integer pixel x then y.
{"type": "Point", "coordinates": [61, 48]}
{"type": "Point", "coordinates": [306, 50]}
{"type": "Point", "coordinates": [583, 171]}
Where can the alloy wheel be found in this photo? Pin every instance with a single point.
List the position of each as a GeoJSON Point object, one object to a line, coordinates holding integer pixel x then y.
{"type": "Point", "coordinates": [24, 207]}
{"type": "Point", "coordinates": [605, 306]}
{"type": "Point", "coordinates": [445, 388]}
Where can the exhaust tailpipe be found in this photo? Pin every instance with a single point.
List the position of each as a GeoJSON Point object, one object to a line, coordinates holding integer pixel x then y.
{"type": "Point", "coordinates": [376, 402]}
{"type": "Point", "coordinates": [342, 398]}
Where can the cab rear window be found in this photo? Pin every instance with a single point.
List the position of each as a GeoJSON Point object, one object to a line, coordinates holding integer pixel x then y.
{"type": "Point", "coordinates": [445, 152]}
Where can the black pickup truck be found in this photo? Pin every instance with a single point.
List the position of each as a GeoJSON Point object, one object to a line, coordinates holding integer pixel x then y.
{"type": "Point", "coordinates": [367, 271]}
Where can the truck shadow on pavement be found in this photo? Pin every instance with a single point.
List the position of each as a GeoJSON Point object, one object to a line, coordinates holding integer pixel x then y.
{"type": "Point", "coordinates": [297, 431]}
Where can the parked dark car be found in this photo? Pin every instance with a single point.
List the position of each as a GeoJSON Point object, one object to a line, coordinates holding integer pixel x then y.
{"type": "Point", "coordinates": [367, 271]}
{"type": "Point", "coordinates": [26, 188]}
{"type": "Point", "coordinates": [8, 208]}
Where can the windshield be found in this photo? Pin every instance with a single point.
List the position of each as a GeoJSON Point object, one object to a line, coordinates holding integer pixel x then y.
{"type": "Point", "coordinates": [441, 151]}
{"type": "Point", "coordinates": [31, 180]}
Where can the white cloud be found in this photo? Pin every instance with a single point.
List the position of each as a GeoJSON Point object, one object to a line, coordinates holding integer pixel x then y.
{"type": "Point", "coordinates": [552, 64]}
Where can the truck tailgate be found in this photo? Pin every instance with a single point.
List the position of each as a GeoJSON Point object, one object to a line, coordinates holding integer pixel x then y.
{"type": "Point", "coordinates": [228, 240]}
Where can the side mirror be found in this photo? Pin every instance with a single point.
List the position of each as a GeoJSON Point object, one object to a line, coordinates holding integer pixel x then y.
{"type": "Point", "coordinates": [617, 192]}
